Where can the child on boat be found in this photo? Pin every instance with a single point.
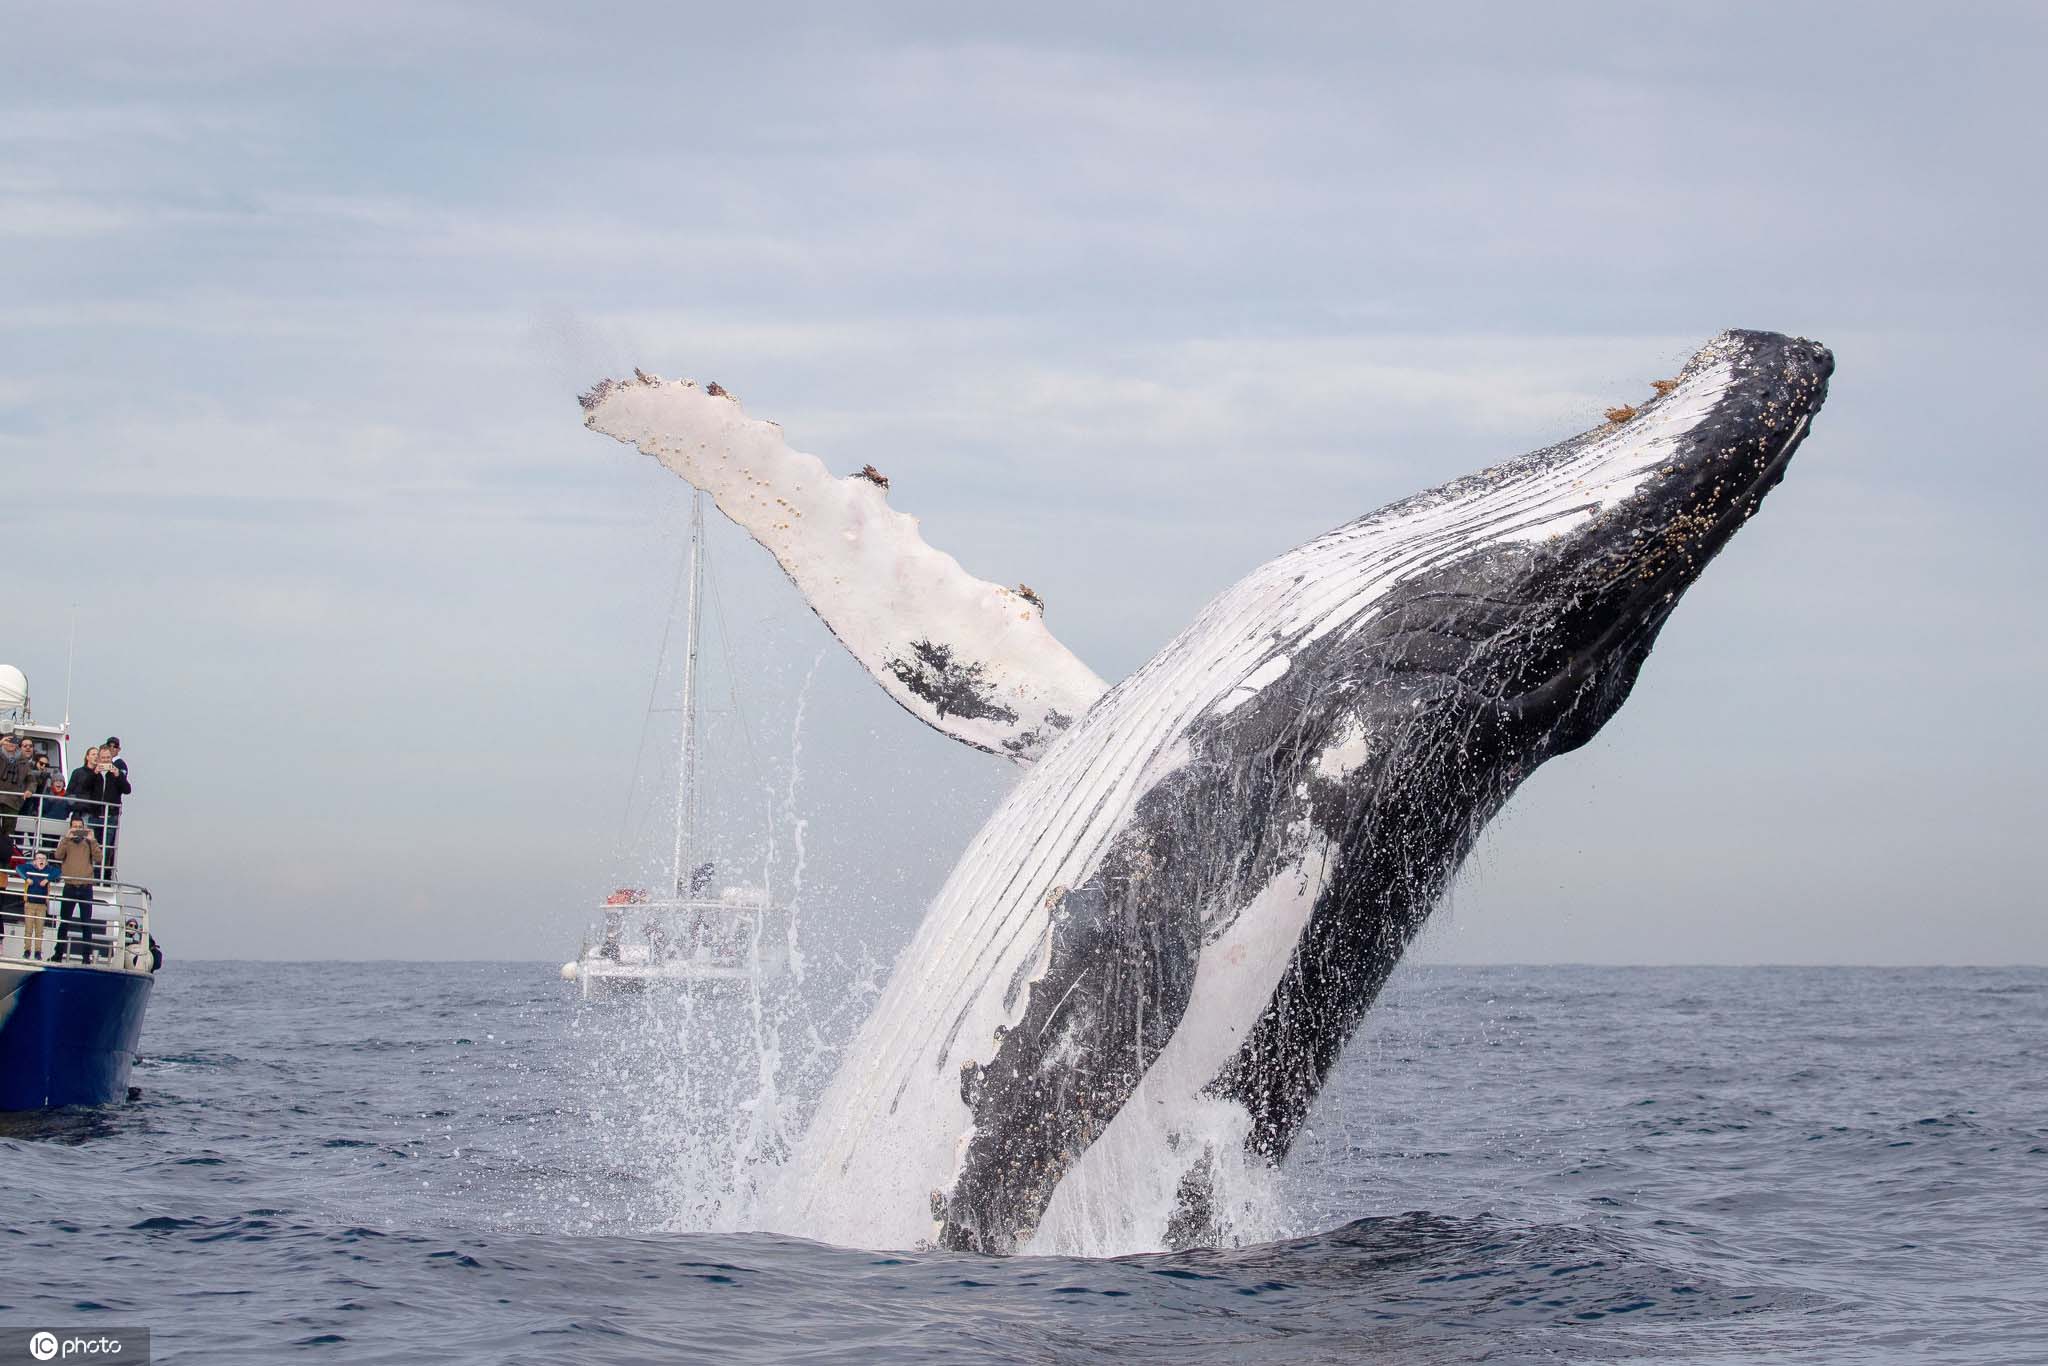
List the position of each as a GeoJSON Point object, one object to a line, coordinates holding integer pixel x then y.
{"type": "Point", "coordinates": [36, 876]}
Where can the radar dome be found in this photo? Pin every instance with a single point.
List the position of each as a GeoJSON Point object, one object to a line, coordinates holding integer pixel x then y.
{"type": "Point", "coordinates": [13, 689]}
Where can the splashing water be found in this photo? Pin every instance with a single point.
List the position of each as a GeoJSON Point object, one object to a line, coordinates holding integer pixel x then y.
{"type": "Point", "coordinates": [696, 1100]}
{"type": "Point", "coordinates": [794, 822]}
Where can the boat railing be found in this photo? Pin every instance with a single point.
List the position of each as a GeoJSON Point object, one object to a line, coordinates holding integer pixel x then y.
{"type": "Point", "coordinates": [40, 825]}
{"type": "Point", "coordinates": [113, 934]}
{"type": "Point", "coordinates": [748, 900]}
{"type": "Point", "coordinates": [716, 930]}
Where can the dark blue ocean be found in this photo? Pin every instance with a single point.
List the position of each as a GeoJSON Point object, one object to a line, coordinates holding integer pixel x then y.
{"type": "Point", "coordinates": [450, 1163]}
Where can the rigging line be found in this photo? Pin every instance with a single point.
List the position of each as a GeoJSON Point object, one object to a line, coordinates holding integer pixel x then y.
{"type": "Point", "coordinates": [725, 653]}
{"type": "Point", "coordinates": [653, 692]}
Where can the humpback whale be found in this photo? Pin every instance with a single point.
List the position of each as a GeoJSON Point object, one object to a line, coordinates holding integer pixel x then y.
{"type": "Point", "coordinates": [1144, 966]}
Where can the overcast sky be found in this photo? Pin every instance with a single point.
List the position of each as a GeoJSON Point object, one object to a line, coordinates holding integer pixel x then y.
{"type": "Point", "coordinates": [295, 302]}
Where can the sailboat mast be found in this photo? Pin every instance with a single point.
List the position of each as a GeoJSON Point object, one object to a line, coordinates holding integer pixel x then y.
{"type": "Point", "coordinates": [686, 797]}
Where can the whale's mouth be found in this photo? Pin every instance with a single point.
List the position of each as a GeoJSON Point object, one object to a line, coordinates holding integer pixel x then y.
{"type": "Point", "coordinates": [1738, 458]}
{"type": "Point", "coordinates": [1680, 552]}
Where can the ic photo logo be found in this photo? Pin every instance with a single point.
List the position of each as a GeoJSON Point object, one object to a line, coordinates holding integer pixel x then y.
{"type": "Point", "coordinates": [47, 1346]}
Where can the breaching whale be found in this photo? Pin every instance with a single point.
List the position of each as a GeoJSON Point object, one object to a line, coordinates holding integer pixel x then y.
{"type": "Point", "coordinates": [1146, 963]}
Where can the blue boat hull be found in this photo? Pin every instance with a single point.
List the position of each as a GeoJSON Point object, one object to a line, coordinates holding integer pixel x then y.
{"type": "Point", "coordinates": [68, 1034]}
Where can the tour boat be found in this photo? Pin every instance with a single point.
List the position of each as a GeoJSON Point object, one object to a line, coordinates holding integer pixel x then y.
{"type": "Point", "coordinates": [68, 1030]}
{"type": "Point", "coordinates": [692, 931]}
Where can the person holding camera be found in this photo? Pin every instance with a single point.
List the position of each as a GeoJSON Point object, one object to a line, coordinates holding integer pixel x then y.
{"type": "Point", "coordinates": [78, 857]}
{"type": "Point", "coordinates": [83, 791]}
{"type": "Point", "coordinates": [17, 780]}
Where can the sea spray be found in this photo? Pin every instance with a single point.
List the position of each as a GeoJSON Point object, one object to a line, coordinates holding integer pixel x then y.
{"type": "Point", "coordinates": [697, 1097]}
{"type": "Point", "coordinates": [794, 822]}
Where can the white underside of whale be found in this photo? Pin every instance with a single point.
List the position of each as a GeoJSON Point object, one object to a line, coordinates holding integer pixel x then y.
{"type": "Point", "coordinates": [864, 568]}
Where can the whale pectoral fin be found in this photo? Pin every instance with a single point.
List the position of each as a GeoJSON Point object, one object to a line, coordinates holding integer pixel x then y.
{"type": "Point", "coordinates": [963, 655]}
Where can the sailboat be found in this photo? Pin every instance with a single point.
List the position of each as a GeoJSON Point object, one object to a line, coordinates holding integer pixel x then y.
{"type": "Point", "coordinates": [697, 931]}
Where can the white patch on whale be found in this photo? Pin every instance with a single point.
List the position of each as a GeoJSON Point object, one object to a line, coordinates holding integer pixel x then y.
{"type": "Point", "coordinates": [1272, 671]}
{"type": "Point", "coordinates": [1118, 1197]}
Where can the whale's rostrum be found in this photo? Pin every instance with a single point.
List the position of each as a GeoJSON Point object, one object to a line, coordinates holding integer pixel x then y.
{"type": "Point", "coordinates": [1146, 963]}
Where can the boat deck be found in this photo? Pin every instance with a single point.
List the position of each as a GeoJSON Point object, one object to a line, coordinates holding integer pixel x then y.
{"type": "Point", "coordinates": [737, 935]}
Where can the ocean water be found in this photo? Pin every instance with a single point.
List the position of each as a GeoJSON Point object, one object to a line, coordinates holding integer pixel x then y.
{"type": "Point", "coordinates": [458, 1163]}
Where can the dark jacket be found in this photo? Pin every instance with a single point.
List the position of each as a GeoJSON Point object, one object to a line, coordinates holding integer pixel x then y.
{"type": "Point", "coordinates": [114, 785]}
{"type": "Point", "coordinates": [84, 786]}
{"type": "Point", "coordinates": [17, 776]}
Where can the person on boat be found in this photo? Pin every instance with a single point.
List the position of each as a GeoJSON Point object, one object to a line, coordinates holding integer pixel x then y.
{"type": "Point", "coordinates": [615, 921]}
{"type": "Point", "coordinates": [36, 803]}
{"type": "Point", "coordinates": [78, 855]}
{"type": "Point", "coordinates": [659, 947]}
{"type": "Point", "coordinates": [17, 772]}
{"type": "Point", "coordinates": [114, 785]}
{"type": "Point", "coordinates": [36, 876]}
{"type": "Point", "coordinates": [10, 906]}
{"type": "Point", "coordinates": [82, 788]}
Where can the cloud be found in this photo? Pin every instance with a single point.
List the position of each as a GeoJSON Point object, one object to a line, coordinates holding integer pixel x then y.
{"type": "Point", "coordinates": [296, 300]}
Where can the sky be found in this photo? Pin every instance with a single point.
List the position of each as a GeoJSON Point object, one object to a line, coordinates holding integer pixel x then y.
{"type": "Point", "coordinates": [295, 302]}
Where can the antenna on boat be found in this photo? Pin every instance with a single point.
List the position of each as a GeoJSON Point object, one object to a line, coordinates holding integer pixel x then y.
{"type": "Point", "coordinates": [70, 652]}
{"type": "Point", "coordinates": [686, 798]}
